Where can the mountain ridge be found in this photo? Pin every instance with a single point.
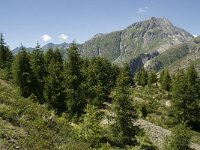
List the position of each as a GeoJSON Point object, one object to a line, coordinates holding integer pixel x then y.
{"type": "Point", "coordinates": [137, 44]}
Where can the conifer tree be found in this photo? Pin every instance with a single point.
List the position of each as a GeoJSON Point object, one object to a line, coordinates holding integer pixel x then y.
{"type": "Point", "coordinates": [90, 130]}
{"type": "Point", "coordinates": [152, 78]}
{"type": "Point", "coordinates": [55, 93]}
{"type": "Point", "coordinates": [124, 112]}
{"type": "Point", "coordinates": [144, 77]}
{"type": "Point", "coordinates": [76, 101]}
{"type": "Point", "coordinates": [138, 77]}
{"type": "Point", "coordinates": [22, 73]}
{"type": "Point", "coordinates": [161, 76]}
{"type": "Point", "coordinates": [39, 72]}
{"type": "Point", "coordinates": [55, 88]}
{"type": "Point", "coordinates": [99, 80]}
{"type": "Point", "coordinates": [6, 56]}
{"type": "Point", "coordinates": [49, 55]}
{"type": "Point", "coordinates": [166, 81]}
{"type": "Point", "coordinates": [185, 97]}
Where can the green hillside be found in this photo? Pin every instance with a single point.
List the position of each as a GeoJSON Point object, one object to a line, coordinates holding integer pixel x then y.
{"type": "Point", "coordinates": [178, 57]}
{"type": "Point", "coordinates": [25, 124]}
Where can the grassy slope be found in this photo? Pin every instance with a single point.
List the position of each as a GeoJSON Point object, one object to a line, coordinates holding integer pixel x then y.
{"type": "Point", "coordinates": [28, 125]}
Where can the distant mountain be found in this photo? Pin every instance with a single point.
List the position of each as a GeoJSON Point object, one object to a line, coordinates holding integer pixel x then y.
{"type": "Point", "coordinates": [62, 47]}
{"type": "Point", "coordinates": [17, 49]}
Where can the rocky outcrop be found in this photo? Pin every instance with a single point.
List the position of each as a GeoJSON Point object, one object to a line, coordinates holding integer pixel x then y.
{"type": "Point", "coordinates": [158, 134]}
{"type": "Point", "coordinates": [139, 61]}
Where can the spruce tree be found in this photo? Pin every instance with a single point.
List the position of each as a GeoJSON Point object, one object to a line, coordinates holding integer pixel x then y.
{"type": "Point", "coordinates": [6, 56]}
{"type": "Point", "coordinates": [76, 101]}
{"type": "Point", "coordinates": [161, 76]}
{"type": "Point", "coordinates": [55, 93]}
{"type": "Point", "coordinates": [138, 77]}
{"type": "Point", "coordinates": [185, 97]}
{"type": "Point", "coordinates": [22, 73]}
{"type": "Point", "coordinates": [166, 81]}
{"type": "Point", "coordinates": [49, 55]}
{"type": "Point", "coordinates": [144, 77]}
{"type": "Point", "coordinates": [152, 78]}
{"type": "Point", "coordinates": [39, 71]}
{"type": "Point", "coordinates": [91, 130]}
{"type": "Point", "coordinates": [124, 112]}
{"type": "Point", "coordinates": [99, 80]}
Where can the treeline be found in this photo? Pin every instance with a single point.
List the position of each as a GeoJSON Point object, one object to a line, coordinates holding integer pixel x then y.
{"type": "Point", "coordinates": [65, 85]}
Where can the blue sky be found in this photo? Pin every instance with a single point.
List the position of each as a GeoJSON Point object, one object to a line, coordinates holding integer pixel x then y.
{"type": "Point", "coordinates": [29, 21]}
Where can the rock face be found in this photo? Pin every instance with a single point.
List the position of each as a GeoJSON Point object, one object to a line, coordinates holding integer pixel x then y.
{"type": "Point", "coordinates": [139, 61]}
{"type": "Point", "coordinates": [158, 134]}
{"type": "Point", "coordinates": [155, 34]}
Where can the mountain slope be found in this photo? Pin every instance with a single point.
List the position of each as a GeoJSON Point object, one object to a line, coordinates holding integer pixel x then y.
{"type": "Point", "coordinates": [155, 34]}
{"type": "Point", "coordinates": [178, 57]}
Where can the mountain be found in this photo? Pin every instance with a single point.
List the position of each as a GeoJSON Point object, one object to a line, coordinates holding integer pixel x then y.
{"type": "Point", "coordinates": [153, 35]}
{"type": "Point", "coordinates": [140, 44]}
{"type": "Point", "coordinates": [62, 47]}
{"type": "Point", "coordinates": [17, 49]}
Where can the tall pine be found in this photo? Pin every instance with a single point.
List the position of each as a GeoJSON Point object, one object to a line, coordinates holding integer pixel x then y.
{"type": "Point", "coordinates": [185, 97]}
{"type": "Point", "coordinates": [39, 71]}
{"type": "Point", "coordinates": [22, 73]}
{"type": "Point", "coordinates": [124, 112]}
{"type": "Point", "coordinates": [6, 56]}
{"type": "Point", "coordinates": [165, 81]}
{"type": "Point", "coordinates": [76, 101]}
{"type": "Point", "coordinates": [55, 94]}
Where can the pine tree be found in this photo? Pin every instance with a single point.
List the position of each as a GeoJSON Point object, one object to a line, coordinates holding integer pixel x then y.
{"type": "Point", "coordinates": [193, 97]}
{"type": "Point", "coordinates": [185, 97]}
{"type": "Point", "coordinates": [90, 129]}
{"type": "Point", "coordinates": [22, 73]}
{"type": "Point", "coordinates": [6, 56]}
{"type": "Point", "coordinates": [152, 78]}
{"type": "Point", "coordinates": [76, 101]}
{"type": "Point", "coordinates": [39, 71]}
{"type": "Point", "coordinates": [166, 81]}
{"type": "Point", "coordinates": [55, 93]}
{"type": "Point", "coordinates": [99, 80]}
{"type": "Point", "coordinates": [161, 76]}
{"type": "Point", "coordinates": [49, 55]}
{"type": "Point", "coordinates": [124, 112]}
{"type": "Point", "coordinates": [144, 77]}
{"type": "Point", "coordinates": [138, 77]}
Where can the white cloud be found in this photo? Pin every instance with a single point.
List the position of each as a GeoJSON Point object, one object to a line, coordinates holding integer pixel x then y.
{"type": "Point", "coordinates": [46, 38]}
{"type": "Point", "coordinates": [63, 37]}
{"type": "Point", "coordinates": [142, 10]}
{"type": "Point", "coordinates": [195, 35]}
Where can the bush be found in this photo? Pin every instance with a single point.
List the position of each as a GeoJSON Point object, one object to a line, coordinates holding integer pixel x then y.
{"type": "Point", "coordinates": [180, 138]}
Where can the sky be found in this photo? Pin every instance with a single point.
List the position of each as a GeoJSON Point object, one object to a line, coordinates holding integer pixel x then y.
{"type": "Point", "coordinates": [57, 21]}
